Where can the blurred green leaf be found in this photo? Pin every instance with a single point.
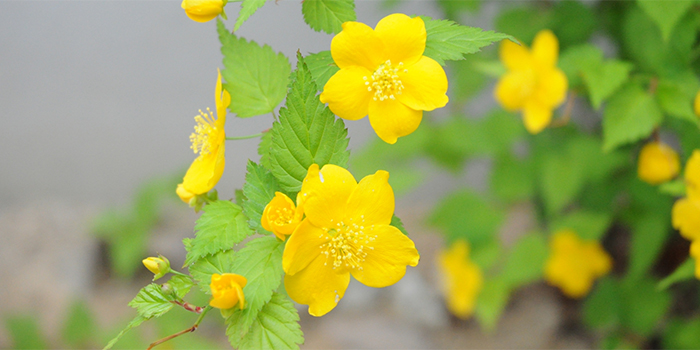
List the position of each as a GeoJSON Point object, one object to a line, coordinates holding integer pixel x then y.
{"type": "Point", "coordinates": [466, 79]}
{"type": "Point", "coordinates": [491, 302]}
{"type": "Point", "coordinates": [137, 321]}
{"type": "Point", "coordinates": [665, 13]}
{"type": "Point", "coordinates": [587, 224]}
{"type": "Point", "coordinates": [643, 304]}
{"type": "Point", "coordinates": [522, 22]}
{"type": "Point", "coordinates": [675, 188]}
{"type": "Point", "coordinates": [572, 22]}
{"type": "Point", "coordinates": [683, 272]}
{"type": "Point", "coordinates": [465, 215]}
{"type": "Point", "coordinates": [25, 333]}
{"type": "Point", "coordinates": [682, 334]}
{"type": "Point", "coordinates": [676, 96]}
{"type": "Point", "coordinates": [488, 254]}
{"type": "Point", "coordinates": [79, 327]}
{"type": "Point", "coordinates": [602, 309]}
{"type": "Point", "coordinates": [328, 15]}
{"type": "Point", "coordinates": [525, 261]}
{"type": "Point", "coordinates": [648, 237]}
{"type": "Point", "coordinates": [513, 179]}
{"type": "Point", "coordinates": [453, 8]}
{"type": "Point", "coordinates": [631, 114]}
{"type": "Point", "coordinates": [561, 179]}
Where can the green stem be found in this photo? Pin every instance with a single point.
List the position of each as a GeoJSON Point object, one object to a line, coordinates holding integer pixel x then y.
{"type": "Point", "coordinates": [180, 273]}
{"type": "Point", "coordinates": [188, 330]}
{"type": "Point", "coordinates": [244, 137]}
{"type": "Point", "coordinates": [201, 316]}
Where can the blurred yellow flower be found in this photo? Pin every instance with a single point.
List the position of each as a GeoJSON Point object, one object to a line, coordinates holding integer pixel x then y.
{"type": "Point", "coordinates": [574, 264]}
{"type": "Point", "coordinates": [384, 74]}
{"type": "Point", "coordinates": [281, 216]}
{"type": "Point", "coordinates": [160, 266]}
{"type": "Point", "coordinates": [461, 279]}
{"type": "Point", "coordinates": [227, 290]}
{"type": "Point", "coordinates": [657, 163]}
{"type": "Point", "coordinates": [208, 140]}
{"type": "Point", "coordinates": [346, 231]}
{"type": "Point", "coordinates": [686, 211]}
{"type": "Point", "coordinates": [203, 10]}
{"type": "Point", "coordinates": [533, 83]}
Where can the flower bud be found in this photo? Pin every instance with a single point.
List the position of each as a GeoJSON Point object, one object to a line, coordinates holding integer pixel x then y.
{"type": "Point", "coordinates": [657, 163]}
{"type": "Point", "coordinates": [227, 290]}
{"type": "Point", "coordinates": [280, 216]}
{"type": "Point", "coordinates": [203, 10]}
{"type": "Point", "coordinates": [160, 266]}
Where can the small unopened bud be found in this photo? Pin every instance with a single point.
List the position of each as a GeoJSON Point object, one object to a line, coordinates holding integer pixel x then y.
{"type": "Point", "coordinates": [203, 10]}
{"type": "Point", "coordinates": [166, 288]}
{"type": "Point", "coordinates": [160, 266]}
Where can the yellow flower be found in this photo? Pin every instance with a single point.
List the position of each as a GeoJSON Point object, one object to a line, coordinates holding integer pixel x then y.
{"type": "Point", "coordinates": [280, 216]}
{"type": "Point", "coordinates": [383, 73]}
{"type": "Point", "coordinates": [686, 211]}
{"type": "Point", "coordinates": [208, 140]}
{"type": "Point", "coordinates": [203, 10]}
{"type": "Point", "coordinates": [574, 264]}
{"type": "Point", "coordinates": [160, 266]}
{"type": "Point", "coordinates": [462, 279]}
{"type": "Point", "coordinates": [696, 104]}
{"type": "Point", "coordinates": [346, 231]}
{"type": "Point", "coordinates": [657, 163]}
{"type": "Point", "coordinates": [227, 290]}
{"type": "Point", "coordinates": [533, 84]}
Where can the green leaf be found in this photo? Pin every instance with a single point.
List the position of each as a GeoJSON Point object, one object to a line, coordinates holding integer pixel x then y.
{"type": "Point", "coordinates": [307, 132]}
{"type": "Point", "coordinates": [396, 222]}
{"type": "Point", "coordinates": [602, 309]}
{"type": "Point", "coordinates": [665, 14]}
{"type": "Point", "coordinates": [572, 22]}
{"type": "Point", "coordinates": [524, 21]}
{"type": "Point", "coordinates": [448, 40]}
{"type": "Point", "coordinates": [676, 96]}
{"type": "Point", "coordinates": [675, 188]}
{"type": "Point", "coordinates": [525, 262]}
{"type": "Point", "coordinates": [513, 179]}
{"type": "Point", "coordinates": [328, 15]}
{"type": "Point", "coordinates": [491, 302]}
{"type": "Point", "coordinates": [322, 67]}
{"type": "Point", "coordinates": [631, 114]}
{"type": "Point", "coordinates": [256, 76]}
{"type": "Point", "coordinates": [587, 224]}
{"type": "Point", "coordinates": [682, 333]}
{"type": "Point", "coordinates": [649, 234]}
{"type": "Point", "coordinates": [453, 9]}
{"type": "Point", "coordinates": [79, 326]}
{"type": "Point", "coordinates": [202, 270]}
{"type": "Point", "coordinates": [561, 180]}
{"type": "Point", "coordinates": [25, 333]}
{"type": "Point", "coordinates": [222, 226]}
{"type": "Point", "coordinates": [248, 8]}
{"type": "Point", "coordinates": [259, 189]}
{"type": "Point", "coordinates": [151, 301]}
{"type": "Point", "coordinates": [275, 327]}
{"type": "Point", "coordinates": [133, 324]}
{"type": "Point", "coordinates": [260, 262]}
{"type": "Point", "coordinates": [264, 149]}
{"type": "Point", "coordinates": [643, 305]}
{"type": "Point", "coordinates": [683, 272]}
{"type": "Point", "coordinates": [181, 285]}
{"type": "Point", "coordinates": [469, 76]}
{"type": "Point", "coordinates": [487, 255]}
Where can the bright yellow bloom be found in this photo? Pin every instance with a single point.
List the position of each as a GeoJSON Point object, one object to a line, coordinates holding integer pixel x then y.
{"type": "Point", "coordinates": [383, 73]}
{"type": "Point", "coordinates": [281, 216]}
{"type": "Point", "coordinates": [208, 140]}
{"type": "Point", "coordinates": [203, 10]}
{"type": "Point", "coordinates": [462, 279]}
{"type": "Point", "coordinates": [533, 84]}
{"type": "Point", "coordinates": [657, 163]}
{"type": "Point", "coordinates": [346, 231]}
{"type": "Point", "coordinates": [574, 264]}
{"type": "Point", "coordinates": [160, 266]}
{"type": "Point", "coordinates": [227, 290]}
{"type": "Point", "coordinates": [696, 104]}
{"type": "Point", "coordinates": [686, 211]}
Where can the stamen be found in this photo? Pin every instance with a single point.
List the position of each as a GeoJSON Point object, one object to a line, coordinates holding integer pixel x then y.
{"type": "Point", "coordinates": [203, 131]}
{"type": "Point", "coordinates": [385, 82]}
{"type": "Point", "coordinates": [342, 248]}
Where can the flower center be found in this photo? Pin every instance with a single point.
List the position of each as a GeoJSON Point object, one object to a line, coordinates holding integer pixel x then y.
{"type": "Point", "coordinates": [347, 244]}
{"type": "Point", "coordinates": [385, 81]}
{"type": "Point", "coordinates": [282, 216]}
{"type": "Point", "coordinates": [202, 137]}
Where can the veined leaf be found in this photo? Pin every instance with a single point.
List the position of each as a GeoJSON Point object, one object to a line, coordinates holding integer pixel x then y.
{"type": "Point", "coordinates": [202, 270]}
{"type": "Point", "coordinates": [256, 76]}
{"type": "Point", "coordinates": [665, 13]}
{"type": "Point", "coordinates": [222, 226]}
{"type": "Point", "coordinates": [181, 285]}
{"type": "Point", "coordinates": [259, 189]}
{"type": "Point", "coordinates": [248, 7]}
{"type": "Point", "coordinates": [151, 301]}
{"type": "Point", "coordinates": [631, 114]}
{"type": "Point", "coordinates": [328, 15]}
{"type": "Point", "coordinates": [307, 132]}
{"type": "Point", "coordinates": [275, 327]}
{"type": "Point", "coordinates": [322, 67]}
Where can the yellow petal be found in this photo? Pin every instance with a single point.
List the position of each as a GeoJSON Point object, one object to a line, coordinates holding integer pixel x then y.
{"type": "Point", "coordinates": [184, 194]}
{"type": "Point", "coordinates": [302, 247]}
{"type": "Point", "coordinates": [318, 285]}
{"type": "Point", "coordinates": [462, 280]}
{"type": "Point", "coordinates": [202, 10]}
{"type": "Point", "coordinates": [657, 163]}
{"type": "Point", "coordinates": [325, 194]}
{"type": "Point", "coordinates": [392, 119]}
{"type": "Point", "coordinates": [514, 56]}
{"type": "Point", "coordinates": [685, 217]}
{"type": "Point", "coordinates": [386, 263]}
{"type": "Point", "coordinates": [536, 116]}
{"type": "Point", "coordinates": [545, 49]}
{"type": "Point", "coordinates": [425, 85]}
{"type": "Point", "coordinates": [514, 89]}
{"type": "Point", "coordinates": [280, 216]}
{"type": "Point", "coordinates": [346, 93]}
{"type": "Point", "coordinates": [372, 201]}
{"type": "Point", "coordinates": [692, 176]}
{"type": "Point", "coordinates": [222, 102]}
{"type": "Point", "coordinates": [205, 172]}
{"type": "Point", "coordinates": [403, 37]}
{"type": "Point", "coordinates": [357, 45]}
{"type": "Point", "coordinates": [551, 87]}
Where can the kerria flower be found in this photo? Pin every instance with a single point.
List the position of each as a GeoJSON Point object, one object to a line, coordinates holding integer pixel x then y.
{"type": "Point", "coordinates": [208, 140]}
{"type": "Point", "coordinates": [686, 211]}
{"type": "Point", "coordinates": [574, 264]}
{"type": "Point", "coordinates": [346, 232]}
{"type": "Point", "coordinates": [160, 266]}
{"type": "Point", "coordinates": [227, 290]}
{"type": "Point", "coordinates": [281, 216]}
{"type": "Point", "coordinates": [384, 74]}
{"type": "Point", "coordinates": [533, 83]}
{"type": "Point", "coordinates": [657, 163]}
{"type": "Point", "coordinates": [203, 10]}
{"type": "Point", "coordinates": [461, 279]}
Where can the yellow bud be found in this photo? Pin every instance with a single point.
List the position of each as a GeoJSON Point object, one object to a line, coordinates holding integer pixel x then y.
{"type": "Point", "coordinates": [696, 104]}
{"type": "Point", "coordinates": [203, 10]}
{"type": "Point", "coordinates": [160, 266]}
{"type": "Point", "coordinates": [657, 163]}
{"type": "Point", "coordinates": [227, 290]}
{"type": "Point", "coordinates": [281, 216]}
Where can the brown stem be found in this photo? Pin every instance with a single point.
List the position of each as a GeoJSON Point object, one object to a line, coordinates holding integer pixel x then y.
{"type": "Point", "coordinates": [161, 341]}
{"type": "Point", "coordinates": [653, 84]}
{"type": "Point", "coordinates": [189, 307]}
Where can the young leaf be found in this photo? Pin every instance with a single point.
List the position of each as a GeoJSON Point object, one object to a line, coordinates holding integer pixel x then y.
{"type": "Point", "coordinates": [256, 76]}
{"type": "Point", "coordinates": [683, 272]}
{"type": "Point", "coordinates": [181, 285]}
{"type": "Point", "coordinates": [631, 114]}
{"type": "Point", "coordinates": [307, 132]}
{"type": "Point", "coordinates": [151, 301]}
{"type": "Point", "coordinates": [202, 270]}
{"type": "Point", "coordinates": [587, 224]}
{"type": "Point", "coordinates": [525, 263]}
{"type": "Point", "coordinates": [222, 226]}
{"type": "Point", "coordinates": [649, 234]}
{"type": "Point", "coordinates": [322, 67]}
{"type": "Point", "coordinates": [561, 180]}
{"type": "Point", "coordinates": [248, 8]}
{"type": "Point", "coordinates": [448, 40]}
{"type": "Point", "coordinates": [604, 78]}
{"type": "Point", "coordinates": [328, 15]}
{"type": "Point", "coordinates": [676, 96]}
{"type": "Point", "coordinates": [275, 327]}
{"type": "Point", "coordinates": [259, 189]}
{"type": "Point", "coordinates": [665, 13]}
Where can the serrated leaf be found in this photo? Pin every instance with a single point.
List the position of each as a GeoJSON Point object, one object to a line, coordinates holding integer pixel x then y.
{"type": "Point", "coordinates": [322, 67]}
{"type": "Point", "coordinates": [684, 272]}
{"type": "Point", "coordinates": [256, 76]}
{"type": "Point", "coordinates": [525, 262]}
{"type": "Point", "coordinates": [396, 222]}
{"type": "Point", "coordinates": [260, 261]}
{"type": "Point", "coordinates": [79, 326]}
{"type": "Point", "coordinates": [133, 324]}
{"type": "Point", "coordinates": [151, 301]}
{"type": "Point", "coordinates": [181, 285]}
{"type": "Point", "coordinates": [248, 8]}
{"type": "Point", "coordinates": [222, 226]}
{"type": "Point", "coordinates": [604, 79]}
{"type": "Point", "coordinates": [328, 15]}
{"type": "Point", "coordinates": [665, 14]}
{"type": "Point", "coordinates": [264, 149]}
{"type": "Point", "coordinates": [307, 132]}
{"type": "Point", "coordinates": [448, 40]}
{"type": "Point", "coordinates": [259, 189]}
{"type": "Point", "coordinates": [275, 327]}
{"type": "Point", "coordinates": [631, 114]}
{"type": "Point", "coordinates": [202, 270]}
